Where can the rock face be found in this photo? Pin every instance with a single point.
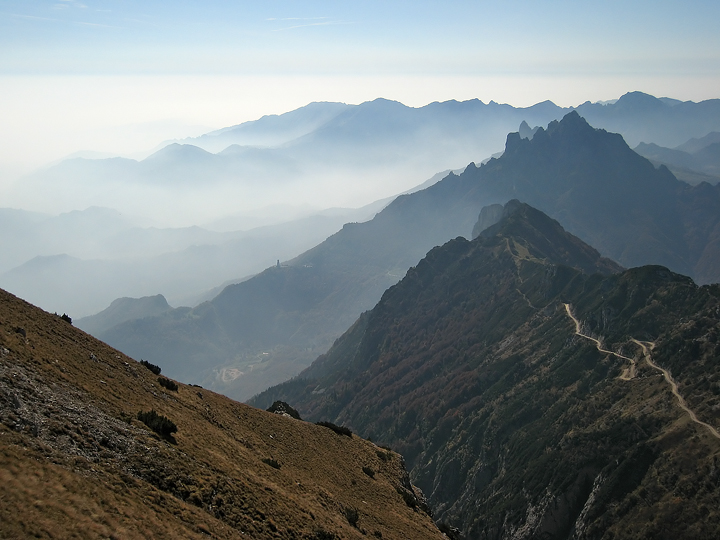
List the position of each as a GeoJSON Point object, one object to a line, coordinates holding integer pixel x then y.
{"type": "Point", "coordinates": [525, 131]}
{"type": "Point", "coordinates": [521, 376]}
{"type": "Point", "coordinates": [283, 409]}
{"type": "Point", "coordinates": [489, 215]}
{"type": "Point", "coordinates": [76, 461]}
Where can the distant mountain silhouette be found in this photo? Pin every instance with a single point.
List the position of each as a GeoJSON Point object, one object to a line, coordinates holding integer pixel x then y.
{"type": "Point", "coordinates": [121, 310]}
{"type": "Point", "coordinates": [663, 155]}
{"type": "Point", "coordinates": [696, 144]}
{"type": "Point", "coordinates": [512, 423]}
{"type": "Point", "coordinates": [271, 130]}
{"type": "Point", "coordinates": [267, 328]}
{"type": "Point", "coordinates": [339, 152]}
{"type": "Point", "coordinates": [698, 156]}
{"type": "Point", "coordinates": [90, 258]}
{"type": "Point", "coordinates": [640, 117]}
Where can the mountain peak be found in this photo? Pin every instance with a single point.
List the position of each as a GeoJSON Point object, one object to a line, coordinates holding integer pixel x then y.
{"type": "Point", "coordinates": [547, 239]}
{"type": "Point", "coordinates": [572, 122]}
{"type": "Point", "coordinates": [384, 102]}
{"type": "Point", "coordinates": [177, 151]}
{"type": "Point", "coordinates": [639, 101]}
{"type": "Point", "coordinates": [572, 127]}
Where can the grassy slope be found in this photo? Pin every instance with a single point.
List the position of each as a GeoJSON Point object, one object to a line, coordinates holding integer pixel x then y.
{"type": "Point", "coordinates": [76, 463]}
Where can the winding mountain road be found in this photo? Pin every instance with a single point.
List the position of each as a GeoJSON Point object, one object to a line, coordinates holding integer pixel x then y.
{"type": "Point", "coordinates": [647, 346]}
{"type": "Point", "coordinates": [628, 374]}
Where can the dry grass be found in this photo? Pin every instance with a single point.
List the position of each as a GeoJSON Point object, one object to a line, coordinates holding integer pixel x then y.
{"type": "Point", "coordinates": [77, 464]}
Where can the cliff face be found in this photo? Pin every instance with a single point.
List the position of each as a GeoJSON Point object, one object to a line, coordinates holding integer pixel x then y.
{"type": "Point", "coordinates": [77, 461]}
{"type": "Point", "coordinates": [521, 375]}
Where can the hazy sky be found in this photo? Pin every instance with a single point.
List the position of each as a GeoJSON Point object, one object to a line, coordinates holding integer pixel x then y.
{"type": "Point", "coordinates": [123, 75]}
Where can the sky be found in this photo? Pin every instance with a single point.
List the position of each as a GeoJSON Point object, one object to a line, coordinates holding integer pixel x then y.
{"type": "Point", "coordinates": [121, 76]}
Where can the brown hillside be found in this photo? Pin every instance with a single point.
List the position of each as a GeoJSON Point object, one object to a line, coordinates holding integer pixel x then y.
{"type": "Point", "coordinates": [76, 462]}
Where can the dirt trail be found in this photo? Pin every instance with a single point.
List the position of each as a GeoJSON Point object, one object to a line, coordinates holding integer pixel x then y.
{"type": "Point", "coordinates": [647, 346]}
{"type": "Point", "coordinates": [628, 374]}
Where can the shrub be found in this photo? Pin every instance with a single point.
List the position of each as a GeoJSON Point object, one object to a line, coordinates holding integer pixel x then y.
{"type": "Point", "coordinates": [161, 425]}
{"type": "Point", "coordinates": [280, 407]}
{"type": "Point", "coordinates": [352, 515]}
{"type": "Point", "coordinates": [408, 497]}
{"type": "Point", "coordinates": [272, 462]}
{"type": "Point", "coordinates": [340, 430]}
{"type": "Point", "coordinates": [384, 455]}
{"type": "Point", "coordinates": [152, 367]}
{"type": "Point", "coordinates": [451, 532]}
{"type": "Point", "coordinates": [167, 383]}
{"type": "Point", "coordinates": [65, 317]}
{"type": "Point", "coordinates": [369, 472]}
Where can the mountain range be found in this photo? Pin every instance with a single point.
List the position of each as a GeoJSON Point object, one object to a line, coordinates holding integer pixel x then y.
{"type": "Point", "coordinates": [284, 164]}
{"type": "Point", "coordinates": [268, 328]}
{"type": "Point", "coordinates": [536, 389]}
{"type": "Point", "coordinates": [638, 116]}
{"type": "Point", "coordinates": [96, 445]}
{"type": "Point", "coordinates": [332, 154]}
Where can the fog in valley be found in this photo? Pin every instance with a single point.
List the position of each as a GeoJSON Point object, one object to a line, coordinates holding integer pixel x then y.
{"type": "Point", "coordinates": [199, 213]}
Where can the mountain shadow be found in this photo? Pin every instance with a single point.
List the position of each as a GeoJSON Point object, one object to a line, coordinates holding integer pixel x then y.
{"type": "Point", "coordinates": [516, 420]}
